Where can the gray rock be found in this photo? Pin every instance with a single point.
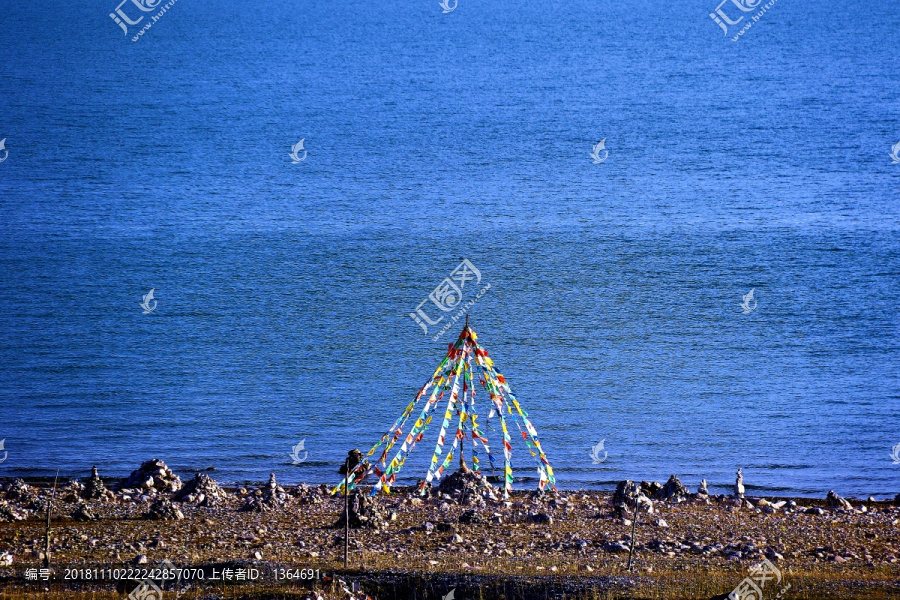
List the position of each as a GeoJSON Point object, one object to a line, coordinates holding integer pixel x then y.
{"type": "Point", "coordinates": [624, 498]}
{"type": "Point", "coordinates": [94, 488]}
{"type": "Point", "coordinates": [467, 487]}
{"type": "Point", "coordinates": [83, 513]}
{"type": "Point", "coordinates": [268, 497]}
{"type": "Point", "coordinates": [8, 514]}
{"type": "Point", "coordinates": [356, 459]}
{"type": "Point", "coordinates": [650, 489]}
{"type": "Point", "coordinates": [835, 501]}
{"type": "Point", "coordinates": [540, 518]}
{"type": "Point", "coordinates": [623, 493]}
{"type": "Point", "coordinates": [163, 510]}
{"type": "Point", "coordinates": [21, 491]}
{"type": "Point", "coordinates": [673, 490]}
{"type": "Point", "coordinates": [616, 546]}
{"type": "Point", "coordinates": [739, 484]}
{"type": "Point", "coordinates": [365, 512]}
{"type": "Point", "coordinates": [471, 516]}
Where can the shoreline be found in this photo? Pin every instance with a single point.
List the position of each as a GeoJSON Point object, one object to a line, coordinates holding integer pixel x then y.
{"type": "Point", "coordinates": [112, 481]}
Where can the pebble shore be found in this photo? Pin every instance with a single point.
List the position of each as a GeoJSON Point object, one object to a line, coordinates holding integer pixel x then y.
{"type": "Point", "coordinates": [687, 546]}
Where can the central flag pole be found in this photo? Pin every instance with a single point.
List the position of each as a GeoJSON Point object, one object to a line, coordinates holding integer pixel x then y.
{"type": "Point", "coordinates": [346, 510]}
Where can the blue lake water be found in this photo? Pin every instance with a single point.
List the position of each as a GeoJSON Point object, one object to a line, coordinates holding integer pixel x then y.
{"type": "Point", "coordinates": [284, 290]}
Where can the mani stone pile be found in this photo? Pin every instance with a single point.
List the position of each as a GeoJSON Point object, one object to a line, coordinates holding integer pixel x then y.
{"type": "Point", "coordinates": [201, 490]}
{"type": "Point", "coordinates": [364, 513]}
{"type": "Point", "coordinates": [265, 498]}
{"type": "Point", "coordinates": [163, 510]}
{"type": "Point", "coordinates": [467, 487]}
{"type": "Point", "coordinates": [94, 488]}
{"type": "Point", "coordinates": [18, 492]}
{"type": "Point", "coordinates": [628, 494]}
{"type": "Point", "coordinates": [152, 475]}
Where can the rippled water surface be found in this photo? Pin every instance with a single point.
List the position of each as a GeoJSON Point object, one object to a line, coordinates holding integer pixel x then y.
{"type": "Point", "coordinates": [284, 290]}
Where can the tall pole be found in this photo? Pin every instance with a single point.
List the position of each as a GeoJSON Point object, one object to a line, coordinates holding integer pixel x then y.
{"type": "Point", "coordinates": [346, 510]}
{"type": "Point", "coordinates": [633, 524]}
{"type": "Point", "coordinates": [462, 456]}
{"type": "Point", "coordinates": [47, 532]}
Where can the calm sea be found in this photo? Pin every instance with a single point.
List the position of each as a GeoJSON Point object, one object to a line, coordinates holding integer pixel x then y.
{"type": "Point", "coordinates": [284, 290]}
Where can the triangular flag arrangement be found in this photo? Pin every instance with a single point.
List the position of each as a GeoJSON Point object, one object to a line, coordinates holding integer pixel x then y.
{"type": "Point", "coordinates": [466, 360]}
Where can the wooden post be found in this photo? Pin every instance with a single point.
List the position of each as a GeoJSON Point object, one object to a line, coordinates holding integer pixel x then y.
{"type": "Point", "coordinates": [634, 523]}
{"type": "Point", "coordinates": [346, 510]}
{"type": "Point", "coordinates": [47, 531]}
{"type": "Point", "coordinates": [462, 456]}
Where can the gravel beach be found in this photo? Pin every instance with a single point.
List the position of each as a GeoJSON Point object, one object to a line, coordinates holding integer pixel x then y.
{"type": "Point", "coordinates": [574, 543]}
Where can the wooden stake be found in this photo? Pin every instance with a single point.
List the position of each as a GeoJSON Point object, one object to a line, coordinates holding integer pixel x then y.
{"type": "Point", "coordinates": [634, 524]}
{"type": "Point", "coordinates": [346, 510]}
{"type": "Point", "coordinates": [47, 531]}
{"type": "Point", "coordinates": [462, 456]}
